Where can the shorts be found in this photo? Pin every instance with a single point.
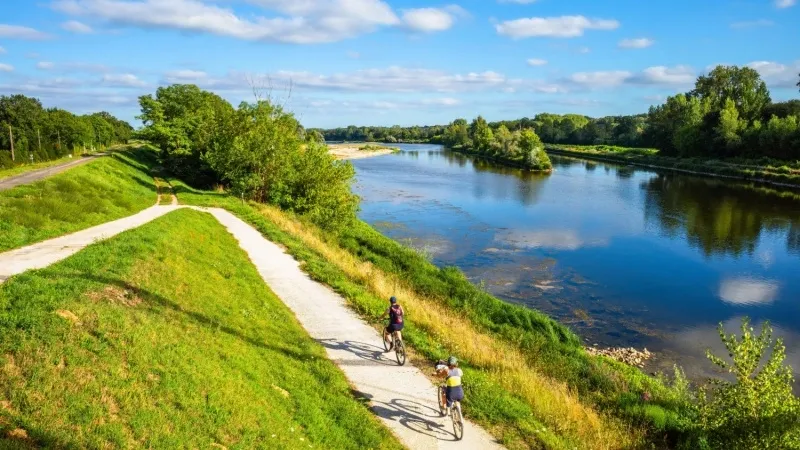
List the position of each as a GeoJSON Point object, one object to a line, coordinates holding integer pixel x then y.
{"type": "Point", "coordinates": [394, 327]}
{"type": "Point", "coordinates": [454, 393]}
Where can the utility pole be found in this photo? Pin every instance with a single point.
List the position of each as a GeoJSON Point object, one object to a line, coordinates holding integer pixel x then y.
{"type": "Point", "coordinates": [59, 140]}
{"type": "Point", "coordinates": [39, 136]}
{"type": "Point", "coordinates": [11, 136]}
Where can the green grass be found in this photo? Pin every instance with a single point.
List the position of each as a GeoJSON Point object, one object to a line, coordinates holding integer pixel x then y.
{"type": "Point", "coordinates": [166, 337]}
{"type": "Point", "coordinates": [376, 147]}
{"type": "Point", "coordinates": [761, 170]}
{"type": "Point", "coordinates": [106, 189]}
{"type": "Point", "coordinates": [547, 347]}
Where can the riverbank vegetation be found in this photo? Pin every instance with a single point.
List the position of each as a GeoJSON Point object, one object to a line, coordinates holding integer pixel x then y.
{"type": "Point", "coordinates": [100, 191]}
{"type": "Point", "coordinates": [41, 134]}
{"type": "Point", "coordinates": [521, 148]}
{"type": "Point", "coordinates": [728, 115]}
{"type": "Point", "coordinates": [167, 337]}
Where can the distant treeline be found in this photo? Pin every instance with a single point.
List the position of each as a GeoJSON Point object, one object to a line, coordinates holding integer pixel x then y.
{"type": "Point", "coordinates": [44, 134]}
{"type": "Point", "coordinates": [729, 113]}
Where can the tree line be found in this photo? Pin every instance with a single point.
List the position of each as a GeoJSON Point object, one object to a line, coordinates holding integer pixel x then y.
{"type": "Point", "coordinates": [42, 134]}
{"type": "Point", "coordinates": [259, 151]}
{"type": "Point", "coordinates": [728, 114]}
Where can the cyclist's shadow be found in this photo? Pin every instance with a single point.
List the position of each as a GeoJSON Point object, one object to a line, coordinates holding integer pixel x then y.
{"type": "Point", "coordinates": [415, 417]}
{"type": "Point", "coordinates": [367, 352]}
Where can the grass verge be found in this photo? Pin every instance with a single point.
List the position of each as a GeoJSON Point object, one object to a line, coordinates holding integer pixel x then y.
{"type": "Point", "coordinates": [166, 337]}
{"type": "Point", "coordinates": [527, 378]}
{"type": "Point", "coordinates": [106, 189]}
{"type": "Point", "coordinates": [763, 170]}
{"type": "Point", "coordinates": [22, 168]}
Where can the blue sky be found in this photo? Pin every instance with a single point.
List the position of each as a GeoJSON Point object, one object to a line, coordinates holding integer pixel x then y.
{"type": "Point", "coordinates": [385, 62]}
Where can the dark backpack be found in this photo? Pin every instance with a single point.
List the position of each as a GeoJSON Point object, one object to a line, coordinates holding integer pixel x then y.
{"type": "Point", "coordinates": [396, 314]}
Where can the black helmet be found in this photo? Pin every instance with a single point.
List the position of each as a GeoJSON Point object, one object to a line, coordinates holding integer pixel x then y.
{"type": "Point", "coordinates": [393, 300]}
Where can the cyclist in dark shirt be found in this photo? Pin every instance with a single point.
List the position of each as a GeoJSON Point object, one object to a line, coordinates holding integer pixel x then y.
{"type": "Point", "coordinates": [395, 314]}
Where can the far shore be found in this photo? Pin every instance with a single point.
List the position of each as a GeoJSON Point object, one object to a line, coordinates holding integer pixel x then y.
{"type": "Point", "coordinates": [358, 150]}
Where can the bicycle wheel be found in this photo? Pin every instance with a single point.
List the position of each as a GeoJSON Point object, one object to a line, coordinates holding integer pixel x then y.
{"type": "Point", "coordinates": [400, 351]}
{"type": "Point", "coordinates": [387, 340]}
{"type": "Point", "coordinates": [458, 421]}
{"type": "Point", "coordinates": [442, 401]}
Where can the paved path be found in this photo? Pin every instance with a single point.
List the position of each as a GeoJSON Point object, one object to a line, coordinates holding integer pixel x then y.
{"type": "Point", "coordinates": [402, 397]}
{"type": "Point", "coordinates": [36, 175]}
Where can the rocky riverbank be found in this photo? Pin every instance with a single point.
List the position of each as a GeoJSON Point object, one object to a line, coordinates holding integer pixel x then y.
{"type": "Point", "coordinates": [629, 355]}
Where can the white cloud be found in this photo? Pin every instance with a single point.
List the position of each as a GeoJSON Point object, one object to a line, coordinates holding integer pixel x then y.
{"type": "Point", "coordinates": [658, 75]}
{"type": "Point", "coordinates": [748, 291]}
{"type": "Point", "coordinates": [6, 68]}
{"type": "Point", "coordinates": [185, 75]}
{"type": "Point", "coordinates": [123, 80]}
{"type": "Point", "coordinates": [19, 32]}
{"type": "Point", "coordinates": [784, 3]}
{"type": "Point", "coordinates": [776, 74]}
{"type": "Point", "coordinates": [428, 20]}
{"type": "Point", "coordinates": [289, 21]}
{"type": "Point", "coordinates": [45, 65]}
{"type": "Point", "coordinates": [584, 50]}
{"type": "Point", "coordinates": [3, 51]}
{"type": "Point", "coordinates": [76, 27]}
{"type": "Point", "coordinates": [537, 62]}
{"type": "Point", "coordinates": [559, 27]}
{"type": "Point", "coordinates": [635, 43]}
{"type": "Point", "coordinates": [752, 24]}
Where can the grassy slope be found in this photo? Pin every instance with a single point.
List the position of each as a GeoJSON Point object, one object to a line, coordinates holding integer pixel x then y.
{"type": "Point", "coordinates": [763, 170]}
{"type": "Point", "coordinates": [98, 192]}
{"type": "Point", "coordinates": [530, 383]}
{"type": "Point", "coordinates": [166, 337]}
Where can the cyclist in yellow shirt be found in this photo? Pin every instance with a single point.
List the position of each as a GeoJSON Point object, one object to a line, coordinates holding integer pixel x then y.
{"type": "Point", "coordinates": [452, 375]}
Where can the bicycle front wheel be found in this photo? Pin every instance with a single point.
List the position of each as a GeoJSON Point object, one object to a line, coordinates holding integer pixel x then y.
{"type": "Point", "coordinates": [458, 422]}
{"type": "Point", "coordinates": [442, 401]}
{"type": "Point", "coordinates": [400, 352]}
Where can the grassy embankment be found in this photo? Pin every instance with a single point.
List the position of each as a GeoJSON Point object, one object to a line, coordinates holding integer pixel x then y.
{"type": "Point", "coordinates": [22, 168]}
{"type": "Point", "coordinates": [372, 147]}
{"type": "Point", "coordinates": [106, 189]}
{"type": "Point", "coordinates": [761, 170]}
{"type": "Point", "coordinates": [166, 337]}
{"type": "Point", "coordinates": [528, 380]}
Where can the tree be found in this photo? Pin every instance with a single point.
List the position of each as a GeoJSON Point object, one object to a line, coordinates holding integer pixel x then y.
{"type": "Point", "coordinates": [505, 141]}
{"type": "Point", "coordinates": [533, 152]}
{"type": "Point", "coordinates": [743, 85]}
{"type": "Point", "coordinates": [481, 135]}
{"type": "Point", "coordinates": [457, 134]}
{"type": "Point", "coordinates": [727, 132]}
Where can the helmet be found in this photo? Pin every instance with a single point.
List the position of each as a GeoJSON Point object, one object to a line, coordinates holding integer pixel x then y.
{"type": "Point", "coordinates": [452, 361]}
{"type": "Point", "coordinates": [393, 300]}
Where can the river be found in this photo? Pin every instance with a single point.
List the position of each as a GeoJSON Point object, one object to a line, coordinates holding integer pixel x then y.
{"type": "Point", "coordinates": [624, 256]}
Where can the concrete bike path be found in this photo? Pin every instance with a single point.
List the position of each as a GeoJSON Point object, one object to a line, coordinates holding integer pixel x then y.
{"type": "Point", "coordinates": [402, 397]}
{"type": "Point", "coordinates": [36, 175]}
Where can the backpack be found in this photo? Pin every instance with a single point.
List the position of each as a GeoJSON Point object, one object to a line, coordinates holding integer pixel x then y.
{"type": "Point", "coordinates": [396, 314]}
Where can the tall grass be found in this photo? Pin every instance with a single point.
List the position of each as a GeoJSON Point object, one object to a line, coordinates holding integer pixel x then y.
{"type": "Point", "coordinates": [167, 337]}
{"type": "Point", "coordinates": [109, 188]}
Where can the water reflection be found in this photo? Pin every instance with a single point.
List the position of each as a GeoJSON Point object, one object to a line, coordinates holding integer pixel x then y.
{"type": "Point", "coordinates": [552, 239]}
{"type": "Point", "coordinates": [718, 217]}
{"type": "Point", "coordinates": [748, 291]}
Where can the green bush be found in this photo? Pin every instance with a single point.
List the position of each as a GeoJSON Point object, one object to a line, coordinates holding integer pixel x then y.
{"type": "Point", "coordinates": [758, 410]}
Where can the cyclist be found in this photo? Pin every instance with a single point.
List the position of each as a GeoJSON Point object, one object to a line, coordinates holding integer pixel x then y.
{"type": "Point", "coordinates": [452, 374]}
{"type": "Point", "coordinates": [395, 314]}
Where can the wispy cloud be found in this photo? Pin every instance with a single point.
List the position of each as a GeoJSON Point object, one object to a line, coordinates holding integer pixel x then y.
{"type": "Point", "coordinates": [752, 24]}
{"type": "Point", "coordinates": [74, 26]}
{"type": "Point", "coordinates": [636, 43]}
{"type": "Point", "coordinates": [6, 67]}
{"type": "Point", "coordinates": [537, 62]}
{"type": "Point", "coordinates": [784, 3]}
{"type": "Point", "coordinates": [20, 32]}
{"type": "Point", "coordinates": [557, 27]}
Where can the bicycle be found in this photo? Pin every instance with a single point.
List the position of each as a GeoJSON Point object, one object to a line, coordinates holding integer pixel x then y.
{"type": "Point", "coordinates": [455, 412]}
{"type": "Point", "coordinates": [396, 343]}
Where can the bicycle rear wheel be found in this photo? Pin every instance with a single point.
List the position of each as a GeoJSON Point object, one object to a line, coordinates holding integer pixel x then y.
{"type": "Point", "coordinates": [387, 340]}
{"type": "Point", "coordinates": [400, 351]}
{"type": "Point", "coordinates": [458, 421]}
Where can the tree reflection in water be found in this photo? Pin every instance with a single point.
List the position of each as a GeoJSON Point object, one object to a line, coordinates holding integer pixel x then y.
{"type": "Point", "coordinates": [717, 216]}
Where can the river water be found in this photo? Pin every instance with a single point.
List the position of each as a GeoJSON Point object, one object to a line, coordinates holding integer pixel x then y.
{"type": "Point", "coordinates": [624, 256]}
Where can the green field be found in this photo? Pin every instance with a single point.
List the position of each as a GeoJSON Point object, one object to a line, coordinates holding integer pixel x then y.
{"type": "Point", "coordinates": [166, 337]}
{"type": "Point", "coordinates": [100, 191]}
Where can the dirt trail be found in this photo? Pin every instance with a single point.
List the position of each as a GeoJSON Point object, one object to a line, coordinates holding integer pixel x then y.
{"type": "Point", "coordinates": [403, 398]}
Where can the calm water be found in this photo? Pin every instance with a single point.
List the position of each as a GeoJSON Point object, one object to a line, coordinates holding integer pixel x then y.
{"type": "Point", "coordinates": [624, 256]}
